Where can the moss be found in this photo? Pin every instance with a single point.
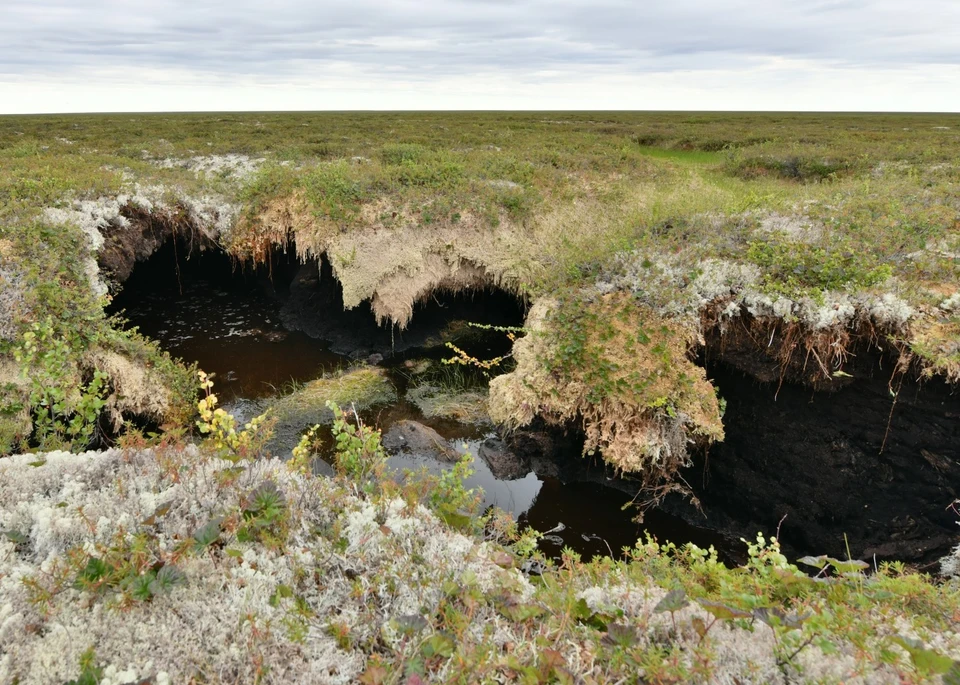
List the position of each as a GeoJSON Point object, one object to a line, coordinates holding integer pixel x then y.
{"type": "Point", "coordinates": [360, 388]}
{"type": "Point", "coordinates": [937, 344]}
{"type": "Point", "coordinates": [807, 272]}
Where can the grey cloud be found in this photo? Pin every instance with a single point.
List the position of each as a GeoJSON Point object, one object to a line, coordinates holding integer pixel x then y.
{"type": "Point", "coordinates": [285, 38]}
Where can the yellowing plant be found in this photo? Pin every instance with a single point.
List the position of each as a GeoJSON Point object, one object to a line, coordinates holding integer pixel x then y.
{"type": "Point", "coordinates": [220, 426]}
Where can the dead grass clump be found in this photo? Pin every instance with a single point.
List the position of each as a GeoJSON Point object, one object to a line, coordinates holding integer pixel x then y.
{"type": "Point", "coordinates": [257, 234]}
{"type": "Point", "coordinates": [398, 293]}
{"type": "Point", "coordinates": [467, 406]}
{"type": "Point", "coordinates": [937, 343]}
{"type": "Point", "coordinates": [622, 370]}
{"type": "Point", "coordinates": [135, 389]}
{"type": "Point", "coordinates": [397, 266]}
{"type": "Point", "coordinates": [387, 256]}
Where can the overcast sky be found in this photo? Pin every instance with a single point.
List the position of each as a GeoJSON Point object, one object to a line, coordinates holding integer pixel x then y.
{"type": "Point", "coordinates": [136, 55]}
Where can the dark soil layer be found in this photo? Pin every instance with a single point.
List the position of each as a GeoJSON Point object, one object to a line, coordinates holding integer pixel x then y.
{"type": "Point", "coordinates": [814, 460]}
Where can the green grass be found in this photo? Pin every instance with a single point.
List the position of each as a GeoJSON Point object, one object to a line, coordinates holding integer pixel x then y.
{"type": "Point", "coordinates": [684, 156]}
{"type": "Point", "coordinates": [882, 192]}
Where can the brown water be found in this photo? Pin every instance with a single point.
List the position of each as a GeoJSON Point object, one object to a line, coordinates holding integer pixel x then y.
{"type": "Point", "coordinates": [229, 322]}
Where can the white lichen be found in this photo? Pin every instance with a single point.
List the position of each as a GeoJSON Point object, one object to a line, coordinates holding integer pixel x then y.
{"type": "Point", "coordinates": [216, 626]}
{"type": "Point", "coordinates": [232, 166]}
{"type": "Point", "coordinates": [677, 288]}
{"type": "Point", "coordinates": [799, 229]}
{"type": "Point", "coordinates": [11, 298]}
{"type": "Point", "coordinates": [952, 303]}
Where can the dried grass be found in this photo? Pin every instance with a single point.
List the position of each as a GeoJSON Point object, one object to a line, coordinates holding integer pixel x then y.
{"type": "Point", "coordinates": [395, 266]}
{"type": "Point", "coordinates": [644, 432]}
{"type": "Point", "coordinates": [136, 390]}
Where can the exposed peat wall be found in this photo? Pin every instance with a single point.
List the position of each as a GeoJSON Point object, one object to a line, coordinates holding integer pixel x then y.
{"type": "Point", "coordinates": [872, 466]}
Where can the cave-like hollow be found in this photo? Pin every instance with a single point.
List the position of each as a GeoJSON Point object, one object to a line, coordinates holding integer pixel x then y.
{"type": "Point", "coordinates": [260, 326]}
{"type": "Point", "coordinates": [805, 463]}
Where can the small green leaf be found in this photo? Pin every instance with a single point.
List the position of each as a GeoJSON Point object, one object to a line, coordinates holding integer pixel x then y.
{"type": "Point", "coordinates": [722, 611]}
{"type": "Point", "coordinates": [675, 600]}
{"type": "Point", "coordinates": [819, 562]}
{"type": "Point", "coordinates": [620, 635]}
{"type": "Point", "coordinates": [776, 617]}
{"type": "Point", "coordinates": [166, 579]}
{"type": "Point", "coordinates": [699, 626]}
{"type": "Point", "coordinates": [581, 610]}
{"type": "Point", "coordinates": [927, 660]}
{"type": "Point", "coordinates": [410, 624]}
{"type": "Point", "coordinates": [207, 534]}
{"type": "Point", "coordinates": [95, 570]}
{"type": "Point", "coordinates": [852, 566]}
{"type": "Point", "coordinates": [16, 537]}
{"type": "Point", "coordinates": [440, 644]}
{"type": "Point", "coordinates": [140, 587]}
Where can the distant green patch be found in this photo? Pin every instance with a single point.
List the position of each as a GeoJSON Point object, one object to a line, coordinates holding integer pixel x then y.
{"type": "Point", "coordinates": [683, 156]}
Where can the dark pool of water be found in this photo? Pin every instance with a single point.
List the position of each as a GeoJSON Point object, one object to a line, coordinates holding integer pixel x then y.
{"type": "Point", "coordinates": [235, 336]}
{"type": "Point", "coordinates": [225, 320]}
{"type": "Point", "coordinates": [229, 323]}
{"type": "Point", "coordinates": [587, 517]}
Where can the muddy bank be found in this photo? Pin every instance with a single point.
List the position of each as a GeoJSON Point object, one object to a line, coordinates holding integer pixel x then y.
{"type": "Point", "coordinates": [830, 464]}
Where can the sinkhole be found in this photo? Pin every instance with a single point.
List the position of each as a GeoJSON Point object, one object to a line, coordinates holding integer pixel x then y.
{"type": "Point", "coordinates": [268, 329]}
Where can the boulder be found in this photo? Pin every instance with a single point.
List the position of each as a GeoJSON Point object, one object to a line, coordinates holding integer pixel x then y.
{"type": "Point", "coordinates": [415, 438]}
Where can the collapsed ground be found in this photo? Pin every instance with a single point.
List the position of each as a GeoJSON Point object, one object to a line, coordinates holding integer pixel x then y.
{"type": "Point", "coordinates": [694, 280]}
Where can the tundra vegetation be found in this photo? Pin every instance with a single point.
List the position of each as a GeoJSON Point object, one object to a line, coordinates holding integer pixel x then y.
{"type": "Point", "coordinates": [636, 237]}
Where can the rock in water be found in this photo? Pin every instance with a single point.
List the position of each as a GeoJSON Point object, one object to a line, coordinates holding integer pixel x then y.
{"type": "Point", "coordinates": [504, 463]}
{"type": "Point", "coordinates": [413, 437]}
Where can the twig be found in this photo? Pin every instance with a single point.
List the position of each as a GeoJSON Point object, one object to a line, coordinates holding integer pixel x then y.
{"type": "Point", "coordinates": [896, 396]}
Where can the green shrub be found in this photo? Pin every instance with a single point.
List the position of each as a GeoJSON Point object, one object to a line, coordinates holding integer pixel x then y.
{"type": "Point", "coordinates": [794, 270]}
{"type": "Point", "coordinates": [402, 153]}
{"type": "Point", "coordinates": [65, 411]}
{"type": "Point", "coordinates": [359, 453]}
